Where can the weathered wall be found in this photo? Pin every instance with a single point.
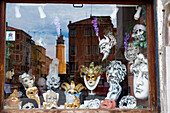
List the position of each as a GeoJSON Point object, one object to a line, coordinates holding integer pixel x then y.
{"type": "Point", "coordinates": [164, 57]}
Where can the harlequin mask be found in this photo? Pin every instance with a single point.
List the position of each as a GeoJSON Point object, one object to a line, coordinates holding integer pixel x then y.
{"type": "Point", "coordinates": [114, 91]}
{"type": "Point", "coordinates": [108, 104]}
{"type": "Point", "coordinates": [32, 93]}
{"type": "Point", "coordinates": [115, 71]}
{"type": "Point", "coordinates": [127, 102]}
{"type": "Point", "coordinates": [72, 89]}
{"type": "Point", "coordinates": [27, 80]}
{"type": "Point", "coordinates": [91, 73]}
{"type": "Point", "coordinates": [106, 44]}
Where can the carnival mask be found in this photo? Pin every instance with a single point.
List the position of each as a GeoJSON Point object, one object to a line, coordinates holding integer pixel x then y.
{"type": "Point", "coordinates": [72, 93]}
{"type": "Point", "coordinates": [131, 52]}
{"type": "Point", "coordinates": [32, 93]}
{"type": "Point", "coordinates": [12, 102]}
{"type": "Point", "coordinates": [138, 31]}
{"type": "Point", "coordinates": [140, 80]}
{"type": "Point", "coordinates": [106, 44]}
{"type": "Point", "coordinates": [28, 103]}
{"type": "Point", "coordinates": [51, 99]}
{"type": "Point", "coordinates": [27, 80]}
{"type": "Point", "coordinates": [127, 102]}
{"type": "Point", "coordinates": [114, 91]}
{"type": "Point", "coordinates": [91, 75]}
{"type": "Point", "coordinates": [42, 85]}
{"type": "Point", "coordinates": [94, 104]}
{"type": "Point", "coordinates": [10, 74]}
{"type": "Point", "coordinates": [53, 81]}
{"type": "Point", "coordinates": [108, 104]}
{"type": "Point", "coordinates": [116, 71]}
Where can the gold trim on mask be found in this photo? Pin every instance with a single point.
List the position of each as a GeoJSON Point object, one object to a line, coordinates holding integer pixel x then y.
{"type": "Point", "coordinates": [91, 72]}
{"type": "Point", "coordinates": [72, 89]}
{"type": "Point", "coordinates": [74, 105]}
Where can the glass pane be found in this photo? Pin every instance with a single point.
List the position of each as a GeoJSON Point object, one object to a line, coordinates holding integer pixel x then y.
{"type": "Point", "coordinates": [64, 57]}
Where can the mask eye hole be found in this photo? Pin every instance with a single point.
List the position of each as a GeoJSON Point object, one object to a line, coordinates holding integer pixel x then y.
{"type": "Point", "coordinates": [31, 93]}
{"type": "Point", "coordinates": [69, 92]}
{"type": "Point", "coordinates": [26, 80]}
{"type": "Point", "coordinates": [27, 107]}
{"type": "Point", "coordinates": [75, 93]}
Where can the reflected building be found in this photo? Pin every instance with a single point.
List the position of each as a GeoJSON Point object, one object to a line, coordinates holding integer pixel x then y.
{"type": "Point", "coordinates": [84, 44]}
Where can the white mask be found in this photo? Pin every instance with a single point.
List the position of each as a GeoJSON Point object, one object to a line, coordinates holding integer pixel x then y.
{"type": "Point", "coordinates": [140, 79]}
{"type": "Point", "coordinates": [106, 44]}
{"type": "Point", "coordinates": [94, 104]}
{"type": "Point", "coordinates": [127, 102]}
{"type": "Point", "coordinates": [138, 31]}
{"type": "Point", "coordinates": [28, 106]}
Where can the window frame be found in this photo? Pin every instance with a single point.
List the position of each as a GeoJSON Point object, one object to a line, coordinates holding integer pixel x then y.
{"type": "Point", "coordinates": [151, 53]}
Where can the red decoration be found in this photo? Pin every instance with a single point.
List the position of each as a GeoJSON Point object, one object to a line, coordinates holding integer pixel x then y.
{"type": "Point", "coordinates": [108, 104]}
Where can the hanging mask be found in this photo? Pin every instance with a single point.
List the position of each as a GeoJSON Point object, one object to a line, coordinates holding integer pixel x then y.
{"type": "Point", "coordinates": [32, 93]}
{"type": "Point", "coordinates": [51, 99]}
{"type": "Point", "coordinates": [28, 103]}
{"type": "Point", "coordinates": [94, 104]}
{"type": "Point", "coordinates": [106, 44]}
{"type": "Point", "coordinates": [27, 80]}
{"type": "Point", "coordinates": [138, 32]}
{"type": "Point", "coordinates": [131, 52]}
{"type": "Point", "coordinates": [91, 75]}
{"type": "Point", "coordinates": [115, 71]}
{"type": "Point", "coordinates": [127, 102]}
{"type": "Point", "coordinates": [12, 102]}
{"type": "Point", "coordinates": [114, 91]}
{"type": "Point", "coordinates": [108, 104]}
{"type": "Point", "coordinates": [42, 85]}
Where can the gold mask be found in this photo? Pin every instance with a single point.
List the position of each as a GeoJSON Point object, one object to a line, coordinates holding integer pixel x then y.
{"type": "Point", "coordinates": [72, 89]}
{"type": "Point", "coordinates": [74, 105]}
{"type": "Point", "coordinates": [91, 72]}
{"type": "Point", "coordinates": [12, 102]}
{"type": "Point", "coordinates": [32, 94]}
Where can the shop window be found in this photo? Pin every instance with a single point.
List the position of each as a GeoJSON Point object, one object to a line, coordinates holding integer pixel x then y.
{"type": "Point", "coordinates": [108, 71]}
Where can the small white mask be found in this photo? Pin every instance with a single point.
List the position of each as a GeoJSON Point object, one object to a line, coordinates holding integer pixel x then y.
{"type": "Point", "coordinates": [28, 106]}
{"type": "Point", "coordinates": [127, 102]}
{"type": "Point", "coordinates": [138, 31]}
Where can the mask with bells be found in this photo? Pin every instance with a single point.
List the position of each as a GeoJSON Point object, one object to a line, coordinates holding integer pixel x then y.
{"type": "Point", "coordinates": [72, 93]}
{"type": "Point", "coordinates": [32, 93]}
{"type": "Point", "coordinates": [27, 80]}
{"type": "Point", "coordinates": [51, 99]}
{"type": "Point", "coordinates": [106, 44]}
{"type": "Point", "coordinates": [91, 75]}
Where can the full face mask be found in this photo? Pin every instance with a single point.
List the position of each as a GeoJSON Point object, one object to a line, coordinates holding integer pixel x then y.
{"type": "Point", "coordinates": [32, 93]}
{"type": "Point", "coordinates": [140, 80]}
{"type": "Point", "coordinates": [94, 104]}
{"type": "Point", "coordinates": [138, 32]}
{"type": "Point", "coordinates": [114, 91]}
{"type": "Point", "coordinates": [91, 75]}
{"type": "Point", "coordinates": [51, 99]}
{"type": "Point", "coordinates": [27, 80]}
{"type": "Point", "coordinates": [106, 44]}
{"type": "Point", "coordinates": [127, 102]}
{"type": "Point", "coordinates": [116, 71]}
{"type": "Point", "coordinates": [131, 52]}
{"type": "Point", "coordinates": [42, 85]}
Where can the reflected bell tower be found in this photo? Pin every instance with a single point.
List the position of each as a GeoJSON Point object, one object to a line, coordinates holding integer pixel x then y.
{"type": "Point", "coordinates": [60, 54]}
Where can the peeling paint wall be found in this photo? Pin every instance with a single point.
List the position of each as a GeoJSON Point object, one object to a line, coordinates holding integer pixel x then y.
{"type": "Point", "coordinates": [163, 10]}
